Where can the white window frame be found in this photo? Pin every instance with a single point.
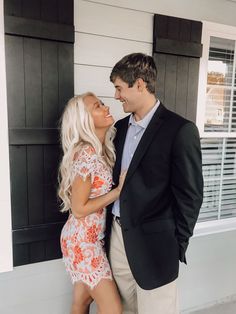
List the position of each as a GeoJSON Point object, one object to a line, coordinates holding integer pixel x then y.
{"type": "Point", "coordinates": [6, 259]}
{"type": "Point", "coordinates": [228, 32]}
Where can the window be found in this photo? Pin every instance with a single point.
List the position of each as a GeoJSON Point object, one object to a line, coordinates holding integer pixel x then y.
{"type": "Point", "coordinates": [216, 119]}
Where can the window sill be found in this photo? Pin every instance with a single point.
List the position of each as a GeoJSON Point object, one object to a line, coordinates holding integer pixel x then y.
{"type": "Point", "coordinates": [216, 226]}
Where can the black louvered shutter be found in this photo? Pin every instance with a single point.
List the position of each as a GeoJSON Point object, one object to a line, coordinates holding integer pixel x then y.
{"type": "Point", "coordinates": [177, 50]}
{"type": "Point", "coordinates": [39, 39]}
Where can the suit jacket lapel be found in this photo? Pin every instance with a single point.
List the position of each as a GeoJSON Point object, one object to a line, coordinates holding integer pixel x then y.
{"type": "Point", "coordinates": [146, 139]}
{"type": "Point", "coordinates": [119, 145]}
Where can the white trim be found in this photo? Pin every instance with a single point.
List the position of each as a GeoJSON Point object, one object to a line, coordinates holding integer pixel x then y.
{"type": "Point", "coordinates": [6, 263]}
{"type": "Point", "coordinates": [218, 30]}
{"type": "Point", "coordinates": [214, 226]}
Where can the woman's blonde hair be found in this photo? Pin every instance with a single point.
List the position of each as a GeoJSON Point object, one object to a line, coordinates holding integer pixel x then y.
{"type": "Point", "coordinates": [77, 128]}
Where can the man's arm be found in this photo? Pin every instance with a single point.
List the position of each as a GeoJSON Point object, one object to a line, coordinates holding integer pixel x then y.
{"type": "Point", "coordinates": [187, 183]}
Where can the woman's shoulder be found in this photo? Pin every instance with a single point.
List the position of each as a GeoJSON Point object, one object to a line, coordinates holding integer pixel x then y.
{"type": "Point", "coordinates": [84, 150]}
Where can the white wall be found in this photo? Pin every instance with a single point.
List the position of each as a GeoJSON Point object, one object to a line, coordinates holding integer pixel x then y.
{"type": "Point", "coordinates": [105, 31]}
{"type": "Point", "coordinates": [5, 204]}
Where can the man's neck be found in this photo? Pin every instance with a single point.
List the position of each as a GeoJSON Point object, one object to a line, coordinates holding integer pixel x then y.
{"type": "Point", "coordinates": [145, 108]}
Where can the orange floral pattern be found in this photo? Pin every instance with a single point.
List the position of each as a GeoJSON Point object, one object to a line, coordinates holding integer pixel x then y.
{"type": "Point", "coordinates": [82, 239]}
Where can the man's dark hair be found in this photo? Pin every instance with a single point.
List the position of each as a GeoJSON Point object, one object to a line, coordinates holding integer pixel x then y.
{"type": "Point", "coordinates": [135, 66]}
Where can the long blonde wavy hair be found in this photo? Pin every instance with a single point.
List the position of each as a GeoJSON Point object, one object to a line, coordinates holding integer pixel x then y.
{"type": "Point", "coordinates": [77, 128]}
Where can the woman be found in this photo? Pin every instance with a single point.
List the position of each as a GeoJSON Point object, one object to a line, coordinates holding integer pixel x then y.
{"type": "Point", "coordinates": [85, 190]}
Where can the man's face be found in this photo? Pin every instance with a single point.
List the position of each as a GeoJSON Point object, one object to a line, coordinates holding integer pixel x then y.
{"type": "Point", "coordinates": [128, 96]}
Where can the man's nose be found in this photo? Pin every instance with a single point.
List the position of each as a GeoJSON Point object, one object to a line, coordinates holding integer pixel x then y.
{"type": "Point", "coordinates": [117, 95]}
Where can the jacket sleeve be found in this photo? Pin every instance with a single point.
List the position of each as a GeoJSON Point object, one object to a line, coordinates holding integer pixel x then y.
{"type": "Point", "coordinates": [186, 183]}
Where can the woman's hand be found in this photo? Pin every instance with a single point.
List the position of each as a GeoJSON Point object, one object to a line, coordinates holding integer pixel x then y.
{"type": "Point", "coordinates": [121, 180]}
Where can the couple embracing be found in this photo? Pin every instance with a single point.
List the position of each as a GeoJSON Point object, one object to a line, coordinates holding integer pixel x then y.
{"type": "Point", "coordinates": [134, 188]}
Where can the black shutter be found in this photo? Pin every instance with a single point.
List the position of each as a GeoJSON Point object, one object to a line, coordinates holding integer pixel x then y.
{"type": "Point", "coordinates": [39, 37]}
{"type": "Point", "coordinates": [177, 50]}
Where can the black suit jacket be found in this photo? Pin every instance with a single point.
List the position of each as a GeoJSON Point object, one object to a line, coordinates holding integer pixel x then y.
{"type": "Point", "coordinates": [161, 196]}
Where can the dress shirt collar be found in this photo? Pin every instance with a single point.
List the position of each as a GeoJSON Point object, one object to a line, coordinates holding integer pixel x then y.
{"type": "Point", "coordinates": [145, 121]}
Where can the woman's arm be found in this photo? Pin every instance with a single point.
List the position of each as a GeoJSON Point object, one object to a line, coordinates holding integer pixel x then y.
{"type": "Point", "coordinates": [82, 205]}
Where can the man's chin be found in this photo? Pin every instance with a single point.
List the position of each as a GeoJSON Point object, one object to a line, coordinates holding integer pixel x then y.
{"type": "Point", "coordinates": [126, 110]}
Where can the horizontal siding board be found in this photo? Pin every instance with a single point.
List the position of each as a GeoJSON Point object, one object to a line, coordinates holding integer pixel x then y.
{"type": "Point", "coordinates": [95, 79]}
{"type": "Point", "coordinates": [116, 108]}
{"type": "Point", "coordinates": [111, 21]}
{"type": "Point", "coordinates": [108, 50]}
{"type": "Point", "coordinates": [223, 12]}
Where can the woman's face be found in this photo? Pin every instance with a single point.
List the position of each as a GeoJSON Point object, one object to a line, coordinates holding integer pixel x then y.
{"type": "Point", "coordinates": [99, 112]}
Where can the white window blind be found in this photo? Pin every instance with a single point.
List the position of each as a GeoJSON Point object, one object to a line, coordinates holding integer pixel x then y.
{"type": "Point", "coordinates": [219, 150]}
{"type": "Point", "coordinates": [219, 171]}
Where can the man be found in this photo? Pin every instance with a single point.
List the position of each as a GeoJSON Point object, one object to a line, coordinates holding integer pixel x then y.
{"type": "Point", "coordinates": [153, 219]}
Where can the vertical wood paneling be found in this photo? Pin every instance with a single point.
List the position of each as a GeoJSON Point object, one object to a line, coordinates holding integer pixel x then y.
{"type": "Point", "coordinates": [35, 70]}
{"type": "Point", "coordinates": [15, 77]}
{"type": "Point", "coordinates": [192, 88]}
{"type": "Point", "coordinates": [66, 16]}
{"type": "Point", "coordinates": [36, 252]}
{"type": "Point", "coordinates": [12, 7]}
{"type": "Point", "coordinates": [50, 83]}
{"type": "Point", "coordinates": [177, 78]}
{"type": "Point", "coordinates": [173, 28]}
{"type": "Point", "coordinates": [52, 249]}
{"type": "Point", "coordinates": [182, 86]}
{"type": "Point", "coordinates": [19, 194]}
{"type": "Point", "coordinates": [160, 60]}
{"type": "Point", "coordinates": [170, 81]}
{"type": "Point", "coordinates": [49, 10]}
{"type": "Point", "coordinates": [51, 205]}
{"type": "Point", "coordinates": [66, 74]}
{"type": "Point", "coordinates": [33, 82]}
{"type": "Point", "coordinates": [31, 9]}
{"type": "Point", "coordinates": [21, 254]}
{"type": "Point", "coordinates": [185, 30]}
{"type": "Point", "coordinates": [35, 184]}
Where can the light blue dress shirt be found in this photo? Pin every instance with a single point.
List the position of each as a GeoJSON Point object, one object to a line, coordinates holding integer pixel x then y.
{"type": "Point", "coordinates": [133, 137]}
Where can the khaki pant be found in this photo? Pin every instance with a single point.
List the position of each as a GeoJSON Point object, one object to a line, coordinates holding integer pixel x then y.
{"type": "Point", "coordinates": [163, 300]}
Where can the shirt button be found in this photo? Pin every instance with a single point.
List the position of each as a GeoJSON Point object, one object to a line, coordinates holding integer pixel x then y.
{"type": "Point", "coordinates": [135, 137]}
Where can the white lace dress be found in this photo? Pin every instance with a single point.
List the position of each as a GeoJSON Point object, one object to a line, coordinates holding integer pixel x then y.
{"type": "Point", "coordinates": [82, 239]}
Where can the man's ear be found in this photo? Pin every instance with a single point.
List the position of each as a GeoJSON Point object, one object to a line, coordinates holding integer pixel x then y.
{"type": "Point", "coordinates": [141, 85]}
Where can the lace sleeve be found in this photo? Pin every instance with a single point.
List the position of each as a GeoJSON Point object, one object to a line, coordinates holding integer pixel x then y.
{"type": "Point", "coordinates": [84, 163]}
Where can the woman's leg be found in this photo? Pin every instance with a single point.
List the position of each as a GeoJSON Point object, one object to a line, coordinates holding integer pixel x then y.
{"type": "Point", "coordinates": [81, 299]}
{"type": "Point", "coordinates": [107, 298]}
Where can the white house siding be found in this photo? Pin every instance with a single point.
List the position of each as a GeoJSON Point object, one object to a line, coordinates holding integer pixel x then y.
{"type": "Point", "coordinates": [5, 204]}
{"type": "Point", "coordinates": [106, 30]}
